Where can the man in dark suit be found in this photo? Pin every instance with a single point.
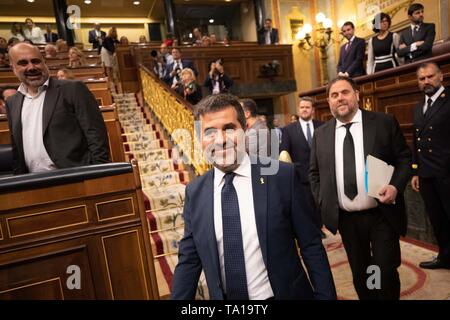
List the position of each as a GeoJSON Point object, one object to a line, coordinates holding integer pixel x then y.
{"type": "Point", "coordinates": [49, 35]}
{"type": "Point", "coordinates": [416, 42]}
{"type": "Point", "coordinates": [174, 68]}
{"type": "Point", "coordinates": [431, 165]}
{"type": "Point", "coordinates": [370, 227]}
{"type": "Point", "coordinates": [268, 35]}
{"type": "Point", "coordinates": [351, 56]}
{"type": "Point", "coordinates": [96, 37]}
{"type": "Point", "coordinates": [54, 124]}
{"type": "Point", "coordinates": [296, 141]}
{"type": "Point", "coordinates": [241, 225]}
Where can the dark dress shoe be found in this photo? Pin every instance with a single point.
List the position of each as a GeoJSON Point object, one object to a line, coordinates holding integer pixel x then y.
{"type": "Point", "coordinates": [436, 263]}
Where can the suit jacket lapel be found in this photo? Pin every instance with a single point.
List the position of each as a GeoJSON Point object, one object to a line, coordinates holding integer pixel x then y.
{"type": "Point", "coordinates": [51, 96]}
{"type": "Point", "coordinates": [301, 135]}
{"type": "Point", "coordinates": [369, 132]}
{"type": "Point", "coordinates": [435, 107]}
{"type": "Point", "coordinates": [330, 131]}
{"type": "Point", "coordinates": [207, 206]}
{"type": "Point", "coordinates": [259, 185]}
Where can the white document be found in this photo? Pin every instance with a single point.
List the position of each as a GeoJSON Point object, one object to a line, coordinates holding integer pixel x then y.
{"type": "Point", "coordinates": [378, 175]}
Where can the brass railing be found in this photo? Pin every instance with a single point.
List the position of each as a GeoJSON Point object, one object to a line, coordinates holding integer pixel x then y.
{"type": "Point", "coordinates": [176, 116]}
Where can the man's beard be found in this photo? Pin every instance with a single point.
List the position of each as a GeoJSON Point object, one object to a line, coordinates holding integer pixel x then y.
{"type": "Point", "coordinates": [37, 82]}
{"type": "Point", "coordinates": [430, 90]}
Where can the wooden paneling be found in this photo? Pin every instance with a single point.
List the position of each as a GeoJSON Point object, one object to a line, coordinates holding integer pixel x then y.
{"type": "Point", "coordinates": [31, 223]}
{"type": "Point", "coordinates": [98, 225]}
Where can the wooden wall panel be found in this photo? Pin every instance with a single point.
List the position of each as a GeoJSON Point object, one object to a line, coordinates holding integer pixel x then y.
{"type": "Point", "coordinates": [102, 230]}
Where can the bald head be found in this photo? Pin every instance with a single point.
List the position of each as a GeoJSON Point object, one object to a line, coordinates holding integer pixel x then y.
{"type": "Point", "coordinates": [23, 48]}
{"type": "Point", "coordinates": [28, 65]}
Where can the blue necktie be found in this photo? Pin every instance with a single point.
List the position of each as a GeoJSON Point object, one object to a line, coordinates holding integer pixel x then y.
{"type": "Point", "coordinates": [308, 134]}
{"type": "Point", "coordinates": [233, 250]}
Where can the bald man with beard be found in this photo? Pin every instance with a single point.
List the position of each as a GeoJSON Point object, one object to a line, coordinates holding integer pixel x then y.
{"type": "Point", "coordinates": [54, 123]}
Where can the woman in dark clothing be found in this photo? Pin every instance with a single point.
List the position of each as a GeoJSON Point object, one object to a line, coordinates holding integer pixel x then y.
{"type": "Point", "coordinates": [382, 48]}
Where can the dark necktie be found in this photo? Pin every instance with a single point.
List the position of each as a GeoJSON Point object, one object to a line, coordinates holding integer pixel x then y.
{"type": "Point", "coordinates": [348, 46]}
{"type": "Point", "coordinates": [350, 186]}
{"type": "Point", "coordinates": [429, 104]}
{"type": "Point", "coordinates": [308, 134]}
{"type": "Point", "coordinates": [233, 250]}
{"type": "Point", "coordinates": [415, 31]}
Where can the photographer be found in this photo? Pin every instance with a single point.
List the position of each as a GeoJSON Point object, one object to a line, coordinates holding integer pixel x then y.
{"type": "Point", "coordinates": [158, 64]}
{"type": "Point", "coordinates": [217, 81]}
{"type": "Point", "coordinates": [187, 87]}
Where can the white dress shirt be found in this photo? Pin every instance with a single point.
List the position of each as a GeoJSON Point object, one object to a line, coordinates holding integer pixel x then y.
{"type": "Point", "coordinates": [413, 46]}
{"type": "Point", "coordinates": [362, 201]}
{"type": "Point", "coordinates": [35, 35]}
{"type": "Point", "coordinates": [303, 124]}
{"type": "Point", "coordinates": [36, 156]}
{"type": "Point", "coordinates": [267, 36]}
{"type": "Point", "coordinates": [433, 97]}
{"type": "Point", "coordinates": [258, 284]}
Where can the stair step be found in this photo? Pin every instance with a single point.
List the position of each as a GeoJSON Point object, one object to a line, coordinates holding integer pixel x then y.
{"type": "Point", "coordinates": [166, 242]}
{"type": "Point", "coordinates": [165, 197]}
{"type": "Point", "coordinates": [165, 219]}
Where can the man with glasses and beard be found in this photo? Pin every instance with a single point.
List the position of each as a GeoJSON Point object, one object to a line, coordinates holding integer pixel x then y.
{"type": "Point", "coordinates": [54, 123]}
{"type": "Point", "coordinates": [241, 225]}
{"type": "Point", "coordinates": [431, 157]}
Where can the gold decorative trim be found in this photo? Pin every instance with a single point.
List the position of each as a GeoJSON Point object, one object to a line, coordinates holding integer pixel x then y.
{"type": "Point", "coordinates": [1, 232]}
{"type": "Point", "coordinates": [45, 212]}
{"type": "Point", "coordinates": [174, 115]}
{"type": "Point", "coordinates": [166, 229]}
{"type": "Point", "coordinates": [111, 201]}
{"type": "Point", "coordinates": [140, 256]}
{"type": "Point", "coordinates": [35, 284]}
{"type": "Point", "coordinates": [165, 255]}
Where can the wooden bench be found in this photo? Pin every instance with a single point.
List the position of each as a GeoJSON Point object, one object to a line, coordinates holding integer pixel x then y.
{"type": "Point", "coordinates": [86, 224]}
{"type": "Point", "coordinates": [91, 71]}
{"type": "Point", "coordinates": [64, 61]}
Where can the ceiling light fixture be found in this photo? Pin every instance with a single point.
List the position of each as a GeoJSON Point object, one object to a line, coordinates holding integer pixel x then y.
{"type": "Point", "coordinates": [136, 3]}
{"type": "Point", "coordinates": [211, 20]}
{"type": "Point", "coordinates": [31, 1]}
{"type": "Point", "coordinates": [87, 1]}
